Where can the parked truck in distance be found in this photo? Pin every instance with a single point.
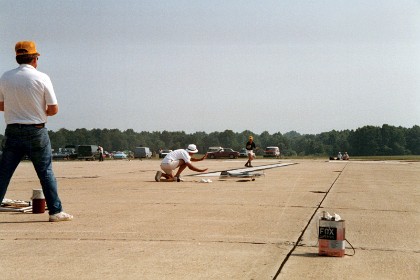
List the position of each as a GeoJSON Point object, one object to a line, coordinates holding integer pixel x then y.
{"type": "Point", "coordinates": [87, 152]}
{"type": "Point", "coordinates": [142, 152]}
{"type": "Point", "coordinates": [272, 151]}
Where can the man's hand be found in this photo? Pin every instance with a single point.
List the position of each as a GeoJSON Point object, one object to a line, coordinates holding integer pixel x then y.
{"type": "Point", "coordinates": [52, 110]}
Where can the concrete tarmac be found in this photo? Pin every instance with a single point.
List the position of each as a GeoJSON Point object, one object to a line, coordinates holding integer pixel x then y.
{"type": "Point", "coordinates": [127, 226]}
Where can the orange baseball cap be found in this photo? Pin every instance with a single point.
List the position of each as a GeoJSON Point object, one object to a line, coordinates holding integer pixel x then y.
{"type": "Point", "coordinates": [25, 47]}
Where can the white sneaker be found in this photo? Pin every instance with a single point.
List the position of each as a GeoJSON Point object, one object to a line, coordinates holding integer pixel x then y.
{"type": "Point", "coordinates": [60, 217]}
{"type": "Point", "coordinates": [158, 176]}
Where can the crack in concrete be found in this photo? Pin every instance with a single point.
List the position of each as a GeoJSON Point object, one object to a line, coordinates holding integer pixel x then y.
{"type": "Point", "coordinates": [307, 225]}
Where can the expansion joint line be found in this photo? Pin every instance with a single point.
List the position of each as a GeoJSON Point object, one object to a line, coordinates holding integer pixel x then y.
{"type": "Point", "coordinates": [307, 225]}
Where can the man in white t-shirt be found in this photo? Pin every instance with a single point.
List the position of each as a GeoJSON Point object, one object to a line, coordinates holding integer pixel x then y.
{"type": "Point", "coordinates": [27, 99]}
{"type": "Point", "coordinates": [179, 158]}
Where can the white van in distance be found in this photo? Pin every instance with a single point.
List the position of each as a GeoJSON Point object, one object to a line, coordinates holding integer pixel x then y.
{"type": "Point", "coordinates": [272, 151]}
{"type": "Point", "coordinates": [142, 152]}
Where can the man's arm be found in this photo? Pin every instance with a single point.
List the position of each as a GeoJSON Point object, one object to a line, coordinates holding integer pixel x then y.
{"type": "Point", "coordinates": [192, 167]}
{"type": "Point", "coordinates": [199, 159]}
{"type": "Point", "coordinates": [52, 110]}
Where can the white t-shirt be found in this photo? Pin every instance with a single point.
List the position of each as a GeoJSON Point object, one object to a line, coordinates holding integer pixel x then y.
{"type": "Point", "coordinates": [26, 92]}
{"type": "Point", "coordinates": [177, 155]}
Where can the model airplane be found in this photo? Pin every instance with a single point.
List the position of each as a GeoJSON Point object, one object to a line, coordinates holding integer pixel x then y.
{"type": "Point", "coordinates": [245, 175]}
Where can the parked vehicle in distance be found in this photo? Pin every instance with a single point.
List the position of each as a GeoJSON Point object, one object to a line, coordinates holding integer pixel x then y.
{"type": "Point", "coordinates": [87, 152]}
{"type": "Point", "coordinates": [223, 153]}
{"type": "Point", "coordinates": [163, 153]}
{"type": "Point", "coordinates": [272, 151]}
{"type": "Point", "coordinates": [242, 153]}
{"type": "Point", "coordinates": [142, 152]}
{"type": "Point", "coordinates": [71, 149]}
{"type": "Point", "coordinates": [64, 153]}
{"type": "Point", "coordinates": [119, 155]}
{"type": "Point", "coordinates": [214, 149]}
{"type": "Point", "coordinates": [60, 155]}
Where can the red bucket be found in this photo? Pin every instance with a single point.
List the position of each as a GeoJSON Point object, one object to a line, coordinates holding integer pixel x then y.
{"type": "Point", "coordinates": [38, 202]}
{"type": "Point", "coordinates": [38, 206]}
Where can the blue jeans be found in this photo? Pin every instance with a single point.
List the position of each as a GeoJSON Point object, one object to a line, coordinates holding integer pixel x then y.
{"type": "Point", "coordinates": [35, 143]}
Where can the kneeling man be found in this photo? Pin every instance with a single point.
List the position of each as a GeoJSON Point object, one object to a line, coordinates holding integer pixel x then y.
{"type": "Point", "coordinates": [179, 158]}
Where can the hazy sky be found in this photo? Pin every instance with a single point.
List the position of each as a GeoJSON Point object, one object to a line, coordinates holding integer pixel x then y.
{"type": "Point", "coordinates": [210, 65]}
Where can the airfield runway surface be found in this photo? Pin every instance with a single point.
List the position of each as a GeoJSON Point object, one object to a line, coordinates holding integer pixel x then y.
{"type": "Point", "coordinates": [127, 226]}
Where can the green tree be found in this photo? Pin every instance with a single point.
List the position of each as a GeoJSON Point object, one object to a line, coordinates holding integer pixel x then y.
{"type": "Point", "coordinates": [366, 141]}
{"type": "Point", "coordinates": [228, 139]}
{"type": "Point", "coordinates": [413, 140]}
{"type": "Point", "coordinates": [393, 140]}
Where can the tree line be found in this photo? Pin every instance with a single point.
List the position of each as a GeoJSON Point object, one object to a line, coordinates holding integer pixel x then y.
{"type": "Point", "coordinates": [365, 141]}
